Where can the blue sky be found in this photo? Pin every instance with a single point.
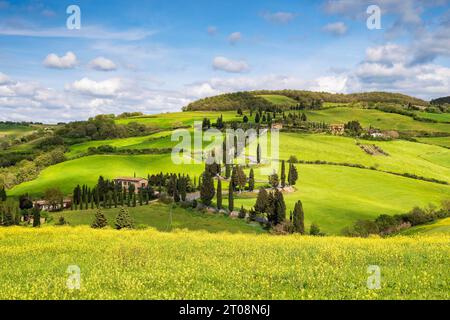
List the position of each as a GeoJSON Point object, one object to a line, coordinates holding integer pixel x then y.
{"type": "Point", "coordinates": [156, 56]}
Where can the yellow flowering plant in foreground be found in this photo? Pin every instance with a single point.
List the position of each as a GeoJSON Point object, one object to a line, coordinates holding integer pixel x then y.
{"type": "Point", "coordinates": [148, 264]}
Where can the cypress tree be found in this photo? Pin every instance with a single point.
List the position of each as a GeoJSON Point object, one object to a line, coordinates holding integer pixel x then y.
{"type": "Point", "coordinates": [97, 198]}
{"type": "Point", "coordinates": [123, 220]}
{"type": "Point", "coordinates": [183, 188]}
{"type": "Point", "coordinates": [219, 194]}
{"type": "Point", "coordinates": [299, 218]}
{"type": "Point", "coordinates": [134, 199]}
{"type": "Point", "coordinates": [262, 201]}
{"type": "Point", "coordinates": [251, 181]}
{"type": "Point", "coordinates": [230, 198]}
{"type": "Point", "coordinates": [227, 171]}
{"type": "Point", "coordinates": [283, 174]}
{"type": "Point", "coordinates": [99, 220]}
{"type": "Point", "coordinates": [279, 207]}
{"type": "Point", "coordinates": [3, 194]}
{"type": "Point", "coordinates": [141, 200]}
{"type": "Point", "coordinates": [293, 175]}
{"type": "Point", "coordinates": [36, 212]}
{"type": "Point", "coordinates": [207, 188]}
{"type": "Point", "coordinates": [258, 154]}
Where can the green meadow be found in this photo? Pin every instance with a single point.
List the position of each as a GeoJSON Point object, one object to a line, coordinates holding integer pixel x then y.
{"type": "Point", "coordinates": [279, 100]}
{"type": "Point", "coordinates": [439, 141]}
{"type": "Point", "coordinates": [86, 170]}
{"type": "Point", "coordinates": [179, 119]}
{"type": "Point", "coordinates": [334, 197]}
{"type": "Point", "coordinates": [439, 227]}
{"type": "Point", "coordinates": [163, 217]}
{"type": "Point", "coordinates": [375, 118]}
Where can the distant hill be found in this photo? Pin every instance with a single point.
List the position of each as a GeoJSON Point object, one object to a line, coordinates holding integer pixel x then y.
{"type": "Point", "coordinates": [245, 100]}
{"type": "Point", "coordinates": [442, 100]}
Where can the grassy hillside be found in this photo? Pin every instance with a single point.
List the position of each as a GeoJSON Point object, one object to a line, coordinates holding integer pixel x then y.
{"type": "Point", "coordinates": [440, 117]}
{"type": "Point", "coordinates": [191, 265]}
{"type": "Point", "coordinates": [439, 141]}
{"type": "Point", "coordinates": [279, 100]}
{"type": "Point", "coordinates": [157, 140]}
{"type": "Point", "coordinates": [334, 197]}
{"type": "Point", "coordinates": [375, 118]}
{"type": "Point", "coordinates": [439, 227]}
{"type": "Point", "coordinates": [178, 119]}
{"type": "Point", "coordinates": [161, 217]}
{"type": "Point", "coordinates": [404, 157]}
{"type": "Point", "coordinates": [14, 130]}
{"type": "Point", "coordinates": [247, 100]}
{"type": "Point", "coordinates": [86, 170]}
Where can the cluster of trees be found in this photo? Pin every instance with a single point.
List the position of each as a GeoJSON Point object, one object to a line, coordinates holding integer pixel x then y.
{"type": "Point", "coordinates": [101, 127]}
{"type": "Point", "coordinates": [123, 220]}
{"type": "Point", "coordinates": [275, 181]}
{"type": "Point", "coordinates": [108, 194]}
{"type": "Point", "coordinates": [27, 170]}
{"type": "Point", "coordinates": [231, 101]}
{"type": "Point", "coordinates": [353, 128]}
{"type": "Point", "coordinates": [12, 211]}
{"type": "Point", "coordinates": [387, 224]}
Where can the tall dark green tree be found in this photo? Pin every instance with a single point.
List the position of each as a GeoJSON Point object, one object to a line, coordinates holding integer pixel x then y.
{"type": "Point", "coordinates": [123, 220]}
{"type": "Point", "coordinates": [262, 201]}
{"type": "Point", "coordinates": [36, 212]}
{"type": "Point", "coordinates": [228, 171]}
{"type": "Point", "coordinates": [258, 154]}
{"type": "Point", "coordinates": [207, 191]}
{"type": "Point", "coordinates": [292, 175]}
{"type": "Point", "coordinates": [3, 194]}
{"type": "Point", "coordinates": [219, 194]}
{"type": "Point", "coordinates": [99, 220]}
{"type": "Point", "coordinates": [230, 198]}
{"type": "Point", "coordinates": [283, 174]}
{"type": "Point", "coordinates": [251, 180]}
{"type": "Point", "coordinates": [299, 218]}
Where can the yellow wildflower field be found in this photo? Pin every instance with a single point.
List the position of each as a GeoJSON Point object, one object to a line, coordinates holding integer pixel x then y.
{"type": "Point", "coordinates": [148, 264]}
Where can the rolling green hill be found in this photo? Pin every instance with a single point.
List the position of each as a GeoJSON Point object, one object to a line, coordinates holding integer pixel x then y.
{"type": "Point", "coordinates": [439, 227]}
{"type": "Point", "coordinates": [335, 196]}
{"type": "Point", "coordinates": [375, 118]}
{"type": "Point", "coordinates": [86, 170]}
{"type": "Point", "coordinates": [267, 98]}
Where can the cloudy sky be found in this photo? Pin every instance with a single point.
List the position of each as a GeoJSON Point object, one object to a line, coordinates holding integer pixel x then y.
{"type": "Point", "coordinates": [157, 56]}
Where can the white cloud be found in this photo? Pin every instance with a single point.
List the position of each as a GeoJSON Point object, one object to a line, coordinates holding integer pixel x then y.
{"type": "Point", "coordinates": [4, 79]}
{"type": "Point", "coordinates": [68, 61]}
{"type": "Point", "coordinates": [233, 66]}
{"type": "Point", "coordinates": [234, 38]}
{"type": "Point", "coordinates": [337, 28]}
{"type": "Point", "coordinates": [279, 17]}
{"type": "Point", "coordinates": [106, 88]}
{"type": "Point", "coordinates": [103, 64]}
{"type": "Point", "coordinates": [389, 53]}
{"type": "Point", "coordinates": [333, 84]}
